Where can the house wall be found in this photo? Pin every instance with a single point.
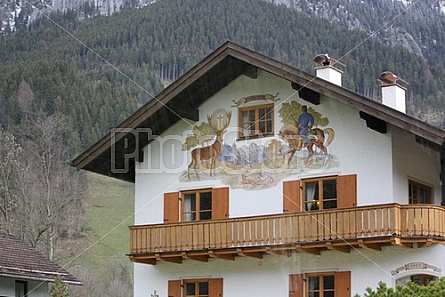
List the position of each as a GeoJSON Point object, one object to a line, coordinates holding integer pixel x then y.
{"type": "Point", "coordinates": [382, 162]}
{"type": "Point", "coordinates": [416, 162]}
{"type": "Point", "coordinates": [270, 276]}
{"type": "Point", "coordinates": [381, 173]}
{"type": "Point", "coordinates": [35, 289]}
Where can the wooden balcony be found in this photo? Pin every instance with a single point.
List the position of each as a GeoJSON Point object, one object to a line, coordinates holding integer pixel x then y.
{"type": "Point", "coordinates": [312, 232]}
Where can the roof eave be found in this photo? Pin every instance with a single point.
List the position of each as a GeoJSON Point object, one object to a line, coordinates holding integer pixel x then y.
{"type": "Point", "coordinates": [40, 279]}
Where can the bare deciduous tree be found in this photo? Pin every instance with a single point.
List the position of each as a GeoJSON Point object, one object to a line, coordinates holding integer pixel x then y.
{"type": "Point", "coordinates": [40, 194]}
{"type": "Point", "coordinates": [25, 97]}
{"type": "Point", "coordinates": [51, 190]}
{"type": "Point", "coordinates": [10, 152]}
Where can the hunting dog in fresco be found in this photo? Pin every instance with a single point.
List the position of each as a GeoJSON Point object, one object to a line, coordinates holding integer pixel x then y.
{"type": "Point", "coordinates": [291, 134]}
{"type": "Point", "coordinates": [211, 152]}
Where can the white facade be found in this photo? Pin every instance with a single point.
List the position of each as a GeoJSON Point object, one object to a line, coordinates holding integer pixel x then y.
{"type": "Point", "coordinates": [34, 288]}
{"type": "Point", "coordinates": [269, 276]}
{"type": "Point", "coordinates": [383, 164]}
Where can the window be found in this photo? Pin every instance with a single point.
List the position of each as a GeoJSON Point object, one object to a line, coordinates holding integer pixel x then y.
{"type": "Point", "coordinates": [419, 279]}
{"type": "Point", "coordinates": [320, 193]}
{"type": "Point", "coordinates": [21, 289]}
{"type": "Point", "coordinates": [196, 288]}
{"type": "Point", "coordinates": [197, 205]}
{"type": "Point", "coordinates": [419, 193]}
{"type": "Point", "coordinates": [256, 121]}
{"type": "Point", "coordinates": [206, 287]}
{"type": "Point", "coordinates": [320, 285]}
{"type": "Point", "coordinates": [326, 284]}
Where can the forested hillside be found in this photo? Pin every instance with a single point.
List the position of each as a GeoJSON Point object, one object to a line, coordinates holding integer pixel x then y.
{"type": "Point", "coordinates": [81, 78]}
{"type": "Point", "coordinates": [97, 71]}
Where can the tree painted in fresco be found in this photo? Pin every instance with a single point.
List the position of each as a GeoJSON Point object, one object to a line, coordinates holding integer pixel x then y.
{"type": "Point", "coordinates": [290, 111]}
{"type": "Point", "coordinates": [201, 134]}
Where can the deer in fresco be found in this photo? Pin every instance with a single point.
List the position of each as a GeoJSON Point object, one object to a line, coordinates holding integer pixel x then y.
{"type": "Point", "coordinates": [210, 152]}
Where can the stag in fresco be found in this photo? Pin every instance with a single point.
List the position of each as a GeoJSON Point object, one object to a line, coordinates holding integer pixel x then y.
{"type": "Point", "coordinates": [218, 122]}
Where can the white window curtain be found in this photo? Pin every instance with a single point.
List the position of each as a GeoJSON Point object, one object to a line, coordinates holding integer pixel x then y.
{"type": "Point", "coordinates": [245, 123]}
{"type": "Point", "coordinates": [310, 194]}
{"type": "Point", "coordinates": [188, 216]}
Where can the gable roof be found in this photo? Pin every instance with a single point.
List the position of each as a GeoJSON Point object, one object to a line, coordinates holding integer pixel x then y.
{"type": "Point", "coordinates": [115, 154]}
{"type": "Point", "coordinates": [20, 261]}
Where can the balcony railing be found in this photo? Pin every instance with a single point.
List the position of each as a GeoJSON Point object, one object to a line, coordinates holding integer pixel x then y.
{"type": "Point", "coordinates": [369, 226]}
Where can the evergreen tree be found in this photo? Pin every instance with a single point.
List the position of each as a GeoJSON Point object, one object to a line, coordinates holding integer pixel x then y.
{"type": "Point", "coordinates": [433, 289]}
{"type": "Point", "coordinates": [58, 289]}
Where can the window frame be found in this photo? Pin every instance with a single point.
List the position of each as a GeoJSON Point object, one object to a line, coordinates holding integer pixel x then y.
{"type": "Point", "coordinates": [403, 280]}
{"type": "Point", "coordinates": [173, 204]}
{"type": "Point", "coordinates": [196, 282]}
{"type": "Point", "coordinates": [419, 186]}
{"type": "Point", "coordinates": [299, 283]}
{"type": "Point", "coordinates": [23, 287]}
{"type": "Point", "coordinates": [198, 212]}
{"type": "Point", "coordinates": [321, 200]}
{"type": "Point", "coordinates": [256, 129]}
{"type": "Point", "coordinates": [321, 291]}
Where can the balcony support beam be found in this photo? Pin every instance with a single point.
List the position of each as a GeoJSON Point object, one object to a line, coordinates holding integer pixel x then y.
{"type": "Point", "coordinates": [201, 258]}
{"type": "Point", "coordinates": [426, 243]}
{"type": "Point", "coordinates": [314, 251]}
{"type": "Point", "coordinates": [372, 246]}
{"type": "Point", "coordinates": [398, 241]}
{"type": "Point", "coordinates": [278, 252]}
{"type": "Point", "coordinates": [149, 261]}
{"type": "Point", "coordinates": [173, 259]}
{"type": "Point", "coordinates": [242, 253]}
{"type": "Point", "coordinates": [344, 248]}
{"type": "Point", "coordinates": [229, 257]}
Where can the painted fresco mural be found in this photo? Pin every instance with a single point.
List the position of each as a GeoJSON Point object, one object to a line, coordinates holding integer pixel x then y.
{"type": "Point", "coordinates": [301, 145]}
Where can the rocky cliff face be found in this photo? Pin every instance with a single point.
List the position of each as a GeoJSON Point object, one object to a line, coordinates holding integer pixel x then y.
{"type": "Point", "coordinates": [414, 25]}
{"type": "Point", "coordinates": [16, 13]}
{"type": "Point", "coordinates": [395, 22]}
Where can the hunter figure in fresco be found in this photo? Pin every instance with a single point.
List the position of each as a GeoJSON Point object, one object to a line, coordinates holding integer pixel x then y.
{"type": "Point", "coordinates": [303, 134]}
{"type": "Point", "coordinates": [305, 122]}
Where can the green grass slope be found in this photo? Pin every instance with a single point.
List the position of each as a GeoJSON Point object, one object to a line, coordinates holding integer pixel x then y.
{"type": "Point", "coordinates": [109, 212]}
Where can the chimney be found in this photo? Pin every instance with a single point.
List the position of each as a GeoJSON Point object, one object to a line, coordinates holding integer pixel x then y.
{"type": "Point", "coordinates": [325, 69]}
{"type": "Point", "coordinates": [393, 94]}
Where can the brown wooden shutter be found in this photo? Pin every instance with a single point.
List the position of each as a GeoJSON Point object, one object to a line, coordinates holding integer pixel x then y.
{"type": "Point", "coordinates": [347, 191]}
{"type": "Point", "coordinates": [171, 207]}
{"type": "Point", "coordinates": [216, 287]}
{"type": "Point", "coordinates": [296, 285]}
{"type": "Point", "coordinates": [220, 203]}
{"type": "Point", "coordinates": [342, 283]}
{"type": "Point", "coordinates": [174, 288]}
{"type": "Point", "coordinates": [291, 196]}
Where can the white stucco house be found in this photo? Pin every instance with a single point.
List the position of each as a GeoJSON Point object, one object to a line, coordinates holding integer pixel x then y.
{"type": "Point", "coordinates": [277, 201]}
